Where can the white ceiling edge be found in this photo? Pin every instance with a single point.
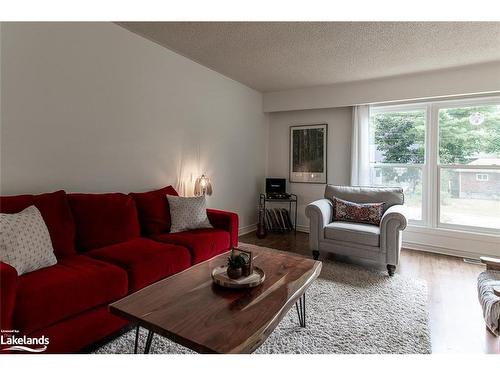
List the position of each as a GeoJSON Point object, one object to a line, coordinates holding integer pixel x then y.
{"type": "Point", "coordinates": [466, 80]}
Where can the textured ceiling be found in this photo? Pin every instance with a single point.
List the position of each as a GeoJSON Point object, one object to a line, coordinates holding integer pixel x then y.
{"type": "Point", "coordinates": [272, 56]}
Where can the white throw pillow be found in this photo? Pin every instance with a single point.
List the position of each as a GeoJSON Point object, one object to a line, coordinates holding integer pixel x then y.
{"type": "Point", "coordinates": [188, 213]}
{"type": "Point", "coordinates": [25, 241]}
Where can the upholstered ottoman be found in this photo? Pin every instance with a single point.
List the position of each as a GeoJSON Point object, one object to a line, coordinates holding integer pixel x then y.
{"type": "Point", "coordinates": [488, 285]}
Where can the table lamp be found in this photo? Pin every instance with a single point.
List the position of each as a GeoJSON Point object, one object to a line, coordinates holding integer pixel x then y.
{"type": "Point", "coordinates": [202, 186]}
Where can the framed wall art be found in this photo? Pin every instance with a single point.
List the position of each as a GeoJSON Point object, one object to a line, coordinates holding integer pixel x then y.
{"type": "Point", "coordinates": [308, 153]}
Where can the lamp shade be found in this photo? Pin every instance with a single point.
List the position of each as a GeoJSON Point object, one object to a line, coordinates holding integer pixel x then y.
{"type": "Point", "coordinates": [202, 186]}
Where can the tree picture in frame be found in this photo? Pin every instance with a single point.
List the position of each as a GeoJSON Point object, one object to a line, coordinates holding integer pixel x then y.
{"type": "Point", "coordinates": [308, 153]}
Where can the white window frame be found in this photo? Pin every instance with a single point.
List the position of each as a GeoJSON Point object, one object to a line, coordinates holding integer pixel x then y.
{"type": "Point", "coordinates": [436, 106]}
{"type": "Point", "coordinates": [485, 175]}
{"type": "Point", "coordinates": [424, 166]}
{"type": "Point", "coordinates": [431, 169]}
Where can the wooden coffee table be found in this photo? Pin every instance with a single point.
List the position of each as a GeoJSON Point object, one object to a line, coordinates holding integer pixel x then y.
{"type": "Point", "coordinates": [190, 310]}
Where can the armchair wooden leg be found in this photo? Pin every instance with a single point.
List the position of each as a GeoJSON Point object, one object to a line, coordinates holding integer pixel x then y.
{"type": "Point", "coordinates": [315, 254]}
{"type": "Point", "coordinates": [391, 269]}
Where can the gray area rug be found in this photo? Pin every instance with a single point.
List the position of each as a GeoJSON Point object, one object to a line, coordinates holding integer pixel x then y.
{"type": "Point", "coordinates": [350, 310]}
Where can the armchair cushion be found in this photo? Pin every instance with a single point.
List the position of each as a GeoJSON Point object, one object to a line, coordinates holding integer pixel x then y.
{"type": "Point", "coordinates": [361, 194]}
{"type": "Point", "coordinates": [367, 213]}
{"type": "Point", "coordinates": [364, 234]}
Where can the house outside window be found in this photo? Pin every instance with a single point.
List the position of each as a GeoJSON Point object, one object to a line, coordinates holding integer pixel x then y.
{"type": "Point", "coordinates": [481, 177]}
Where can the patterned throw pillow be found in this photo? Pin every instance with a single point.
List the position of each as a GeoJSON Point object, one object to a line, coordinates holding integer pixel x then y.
{"type": "Point", "coordinates": [367, 213]}
{"type": "Point", "coordinates": [188, 213]}
{"type": "Point", "coordinates": [25, 241]}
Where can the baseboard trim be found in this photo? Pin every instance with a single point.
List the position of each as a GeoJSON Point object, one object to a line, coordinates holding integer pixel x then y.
{"type": "Point", "coordinates": [485, 238]}
{"type": "Point", "coordinates": [247, 229]}
{"type": "Point", "coordinates": [440, 250]}
{"type": "Point", "coordinates": [303, 228]}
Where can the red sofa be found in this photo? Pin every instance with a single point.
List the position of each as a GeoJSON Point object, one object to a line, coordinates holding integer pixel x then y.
{"type": "Point", "coordinates": [107, 246]}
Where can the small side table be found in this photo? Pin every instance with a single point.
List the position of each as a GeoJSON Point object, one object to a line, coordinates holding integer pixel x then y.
{"type": "Point", "coordinates": [292, 201]}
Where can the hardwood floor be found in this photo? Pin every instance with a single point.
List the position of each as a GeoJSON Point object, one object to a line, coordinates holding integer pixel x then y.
{"type": "Point", "coordinates": [456, 321]}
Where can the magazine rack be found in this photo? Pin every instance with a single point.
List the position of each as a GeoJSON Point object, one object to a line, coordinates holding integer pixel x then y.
{"type": "Point", "coordinates": [292, 201]}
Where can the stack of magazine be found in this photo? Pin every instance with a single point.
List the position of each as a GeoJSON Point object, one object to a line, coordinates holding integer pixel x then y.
{"type": "Point", "coordinates": [278, 220]}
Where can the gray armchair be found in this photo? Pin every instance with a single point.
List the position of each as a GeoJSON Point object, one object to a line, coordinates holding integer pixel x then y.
{"type": "Point", "coordinates": [380, 244]}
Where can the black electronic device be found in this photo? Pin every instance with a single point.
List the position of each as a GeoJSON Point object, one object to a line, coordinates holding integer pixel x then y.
{"type": "Point", "coordinates": [276, 188]}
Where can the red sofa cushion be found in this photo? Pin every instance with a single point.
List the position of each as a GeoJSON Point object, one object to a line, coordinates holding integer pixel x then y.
{"type": "Point", "coordinates": [81, 331]}
{"type": "Point", "coordinates": [203, 244]}
{"type": "Point", "coordinates": [73, 285]}
{"type": "Point", "coordinates": [225, 220]}
{"type": "Point", "coordinates": [153, 210]}
{"type": "Point", "coordinates": [8, 287]}
{"type": "Point", "coordinates": [145, 261]}
{"type": "Point", "coordinates": [103, 219]}
{"type": "Point", "coordinates": [56, 214]}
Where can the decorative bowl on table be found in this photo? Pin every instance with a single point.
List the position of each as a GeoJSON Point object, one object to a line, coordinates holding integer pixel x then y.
{"type": "Point", "coordinates": [239, 271]}
{"type": "Point", "coordinates": [220, 277]}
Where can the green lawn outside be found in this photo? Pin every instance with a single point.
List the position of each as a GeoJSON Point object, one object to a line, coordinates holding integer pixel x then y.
{"type": "Point", "coordinates": [474, 212]}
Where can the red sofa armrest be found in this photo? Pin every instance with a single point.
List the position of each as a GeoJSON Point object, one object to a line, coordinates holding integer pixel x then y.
{"type": "Point", "coordinates": [225, 220]}
{"type": "Point", "coordinates": [8, 288]}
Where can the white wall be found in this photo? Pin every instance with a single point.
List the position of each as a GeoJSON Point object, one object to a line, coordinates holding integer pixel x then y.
{"type": "Point", "coordinates": [92, 107]}
{"type": "Point", "coordinates": [472, 79]}
{"type": "Point", "coordinates": [339, 154]}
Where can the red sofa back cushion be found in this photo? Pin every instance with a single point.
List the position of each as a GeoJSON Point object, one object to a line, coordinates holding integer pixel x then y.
{"type": "Point", "coordinates": [153, 210]}
{"type": "Point", "coordinates": [56, 214]}
{"type": "Point", "coordinates": [103, 219]}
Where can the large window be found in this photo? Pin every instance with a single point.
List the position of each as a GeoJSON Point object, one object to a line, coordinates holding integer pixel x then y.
{"type": "Point", "coordinates": [469, 165]}
{"type": "Point", "coordinates": [397, 153]}
{"type": "Point", "coordinates": [446, 157]}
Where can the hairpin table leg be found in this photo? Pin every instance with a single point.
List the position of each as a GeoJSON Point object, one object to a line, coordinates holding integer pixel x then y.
{"type": "Point", "coordinates": [136, 339]}
{"type": "Point", "coordinates": [301, 310]}
{"type": "Point", "coordinates": [149, 340]}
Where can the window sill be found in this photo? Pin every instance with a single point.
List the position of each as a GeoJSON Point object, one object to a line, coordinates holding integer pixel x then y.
{"type": "Point", "coordinates": [454, 233]}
